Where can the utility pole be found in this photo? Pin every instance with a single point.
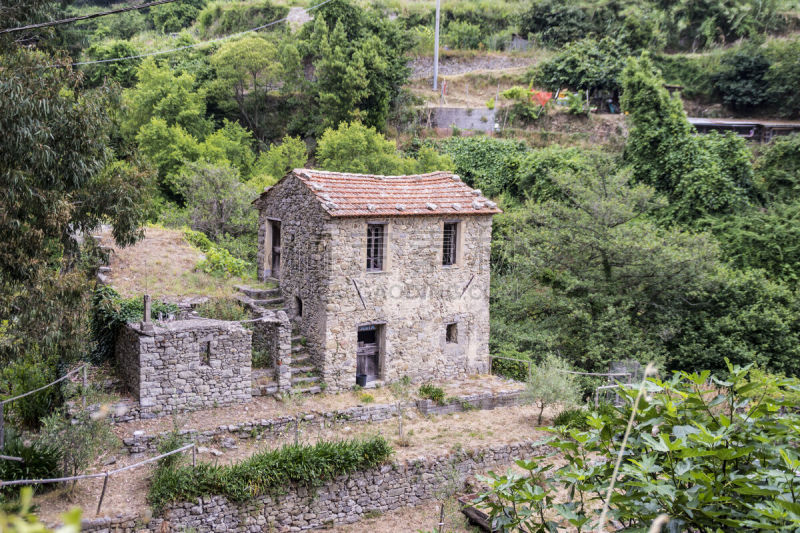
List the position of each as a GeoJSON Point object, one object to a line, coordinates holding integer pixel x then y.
{"type": "Point", "coordinates": [436, 48]}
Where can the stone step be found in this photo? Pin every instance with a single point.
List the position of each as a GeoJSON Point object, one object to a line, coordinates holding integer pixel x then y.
{"type": "Point", "coordinates": [297, 339]}
{"type": "Point", "coordinates": [304, 360]}
{"type": "Point", "coordinates": [268, 302]}
{"type": "Point", "coordinates": [316, 389]}
{"type": "Point", "coordinates": [301, 369]}
{"type": "Point", "coordinates": [259, 294]}
{"type": "Point", "coordinates": [304, 380]}
{"type": "Point", "coordinates": [299, 348]}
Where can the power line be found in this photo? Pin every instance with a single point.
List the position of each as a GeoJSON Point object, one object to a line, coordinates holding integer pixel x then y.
{"type": "Point", "coordinates": [188, 46]}
{"type": "Point", "coordinates": [85, 17]}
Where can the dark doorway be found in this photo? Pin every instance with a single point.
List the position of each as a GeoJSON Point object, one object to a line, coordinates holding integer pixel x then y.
{"type": "Point", "coordinates": [276, 248]}
{"type": "Point", "coordinates": [368, 352]}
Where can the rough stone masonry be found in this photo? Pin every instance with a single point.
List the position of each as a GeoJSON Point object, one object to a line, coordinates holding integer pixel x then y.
{"type": "Point", "coordinates": [186, 364]}
{"type": "Point", "coordinates": [385, 276]}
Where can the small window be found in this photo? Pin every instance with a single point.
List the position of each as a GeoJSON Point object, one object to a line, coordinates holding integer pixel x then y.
{"type": "Point", "coordinates": [205, 353]}
{"type": "Point", "coordinates": [376, 238]}
{"type": "Point", "coordinates": [451, 334]}
{"type": "Point", "coordinates": [449, 240]}
{"type": "Point", "coordinates": [298, 305]}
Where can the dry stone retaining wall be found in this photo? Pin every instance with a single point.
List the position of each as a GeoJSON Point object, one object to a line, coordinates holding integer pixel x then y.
{"type": "Point", "coordinates": [275, 427]}
{"type": "Point", "coordinates": [344, 500]}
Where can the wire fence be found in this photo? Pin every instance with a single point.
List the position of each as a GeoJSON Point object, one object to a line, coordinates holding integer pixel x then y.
{"type": "Point", "coordinates": [529, 364]}
{"type": "Point", "coordinates": [105, 475]}
{"type": "Point", "coordinates": [34, 391]}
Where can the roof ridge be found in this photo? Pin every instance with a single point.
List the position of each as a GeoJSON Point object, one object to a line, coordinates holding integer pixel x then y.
{"type": "Point", "coordinates": [331, 173]}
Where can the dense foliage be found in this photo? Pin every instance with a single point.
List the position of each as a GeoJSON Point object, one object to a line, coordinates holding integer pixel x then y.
{"type": "Point", "coordinates": [707, 456]}
{"type": "Point", "coordinates": [268, 472]}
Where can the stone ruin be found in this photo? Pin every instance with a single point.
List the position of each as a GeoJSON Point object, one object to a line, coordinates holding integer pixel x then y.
{"type": "Point", "coordinates": [198, 363]}
{"type": "Point", "coordinates": [186, 364]}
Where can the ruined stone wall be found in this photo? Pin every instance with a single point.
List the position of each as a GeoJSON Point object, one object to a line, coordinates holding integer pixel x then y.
{"type": "Point", "coordinates": [414, 297]}
{"type": "Point", "coordinates": [186, 365]}
{"type": "Point", "coordinates": [305, 255]}
{"type": "Point", "coordinates": [344, 500]}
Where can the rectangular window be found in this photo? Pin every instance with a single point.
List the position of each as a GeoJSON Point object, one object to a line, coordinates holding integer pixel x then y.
{"type": "Point", "coordinates": [449, 243]}
{"type": "Point", "coordinates": [376, 238]}
{"type": "Point", "coordinates": [205, 353]}
{"type": "Point", "coordinates": [451, 334]}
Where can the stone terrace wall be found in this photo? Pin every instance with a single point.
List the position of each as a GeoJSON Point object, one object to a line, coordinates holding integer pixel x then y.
{"type": "Point", "coordinates": [344, 500]}
{"type": "Point", "coordinates": [186, 365]}
{"type": "Point", "coordinates": [361, 414]}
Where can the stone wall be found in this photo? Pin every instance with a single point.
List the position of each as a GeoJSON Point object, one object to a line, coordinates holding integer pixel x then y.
{"type": "Point", "coordinates": [304, 269]}
{"type": "Point", "coordinates": [186, 365]}
{"type": "Point", "coordinates": [273, 333]}
{"type": "Point", "coordinates": [141, 442]}
{"type": "Point", "coordinates": [344, 500]}
{"type": "Point", "coordinates": [414, 297]}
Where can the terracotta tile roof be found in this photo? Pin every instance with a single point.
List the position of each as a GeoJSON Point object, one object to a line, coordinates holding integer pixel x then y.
{"type": "Point", "coordinates": [360, 195]}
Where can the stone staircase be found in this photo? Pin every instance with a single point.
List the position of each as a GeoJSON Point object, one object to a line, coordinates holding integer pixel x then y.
{"type": "Point", "coordinates": [305, 376]}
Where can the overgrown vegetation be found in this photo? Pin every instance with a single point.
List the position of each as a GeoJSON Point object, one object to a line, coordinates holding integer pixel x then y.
{"type": "Point", "coordinates": [268, 472]}
{"type": "Point", "coordinates": [706, 456]}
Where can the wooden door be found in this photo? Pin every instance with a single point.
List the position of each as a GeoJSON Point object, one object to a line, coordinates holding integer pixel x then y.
{"type": "Point", "coordinates": [368, 352]}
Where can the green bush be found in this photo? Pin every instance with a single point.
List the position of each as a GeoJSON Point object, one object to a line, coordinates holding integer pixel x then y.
{"type": "Point", "coordinates": [220, 262]}
{"type": "Point", "coordinates": [588, 64]}
{"type": "Point", "coordinates": [110, 312]}
{"type": "Point", "coordinates": [572, 418]}
{"type": "Point", "coordinates": [462, 35]}
{"type": "Point", "coordinates": [268, 472]}
{"type": "Point", "coordinates": [40, 460]}
{"type": "Point", "coordinates": [514, 369]}
{"type": "Point", "coordinates": [433, 393]}
{"type": "Point", "coordinates": [485, 163]}
{"type": "Point", "coordinates": [171, 18]}
{"type": "Point", "coordinates": [555, 22]}
{"type": "Point", "coordinates": [198, 239]}
{"type": "Point", "coordinates": [25, 374]}
{"type": "Point", "coordinates": [167, 443]}
{"type": "Point", "coordinates": [226, 18]}
{"type": "Point", "coordinates": [778, 169]}
{"type": "Point", "coordinates": [222, 309]}
{"type": "Point", "coordinates": [708, 456]}
{"type": "Point", "coordinates": [79, 441]}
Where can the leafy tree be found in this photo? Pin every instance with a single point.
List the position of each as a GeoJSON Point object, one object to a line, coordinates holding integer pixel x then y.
{"type": "Point", "coordinates": [175, 16]}
{"type": "Point", "coordinates": [704, 175]}
{"type": "Point", "coordinates": [463, 35]}
{"type": "Point", "coordinates": [232, 143]}
{"type": "Point", "coordinates": [274, 163]}
{"type": "Point", "coordinates": [550, 384]}
{"type": "Point", "coordinates": [490, 165]}
{"type": "Point", "coordinates": [122, 72]}
{"type": "Point", "coordinates": [537, 167]}
{"type": "Point", "coordinates": [358, 148]}
{"type": "Point", "coordinates": [556, 23]}
{"type": "Point", "coordinates": [587, 64]}
{"type": "Point", "coordinates": [766, 239]}
{"type": "Point", "coordinates": [740, 80]}
{"type": "Point", "coordinates": [56, 186]}
{"type": "Point", "coordinates": [778, 169]}
{"type": "Point", "coordinates": [710, 458]}
{"type": "Point", "coordinates": [341, 75]}
{"type": "Point", "coordinates": [168, 148]}
{"type": "Point", "coordinates": [165, 95]}
{"type": "Point", "coordinates": [586, 275]}
{"type": "Point", "coordinates": [359, 63]}
{"type": "Point", "coordinates": [740, 315]}
{"type": "Point", "coordinates": [783, 75]}
{"type": "Point", "coordinates": [248, 70]}
{"type": "Point", "coordinates": [217, 200]}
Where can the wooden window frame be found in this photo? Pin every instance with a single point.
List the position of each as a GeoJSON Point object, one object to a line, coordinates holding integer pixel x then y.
{"type": "Point", "coordinates": [451, 255]}
{"type": "Point", "coordinates": [376, 251]}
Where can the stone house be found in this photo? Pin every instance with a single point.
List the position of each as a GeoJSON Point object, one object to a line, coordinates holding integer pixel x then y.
{"type": "Point", "coordinates": [384, 276]}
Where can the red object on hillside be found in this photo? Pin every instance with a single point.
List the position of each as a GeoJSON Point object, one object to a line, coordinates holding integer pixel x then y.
{"type": "Point", "coordinates": [541, 97]}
